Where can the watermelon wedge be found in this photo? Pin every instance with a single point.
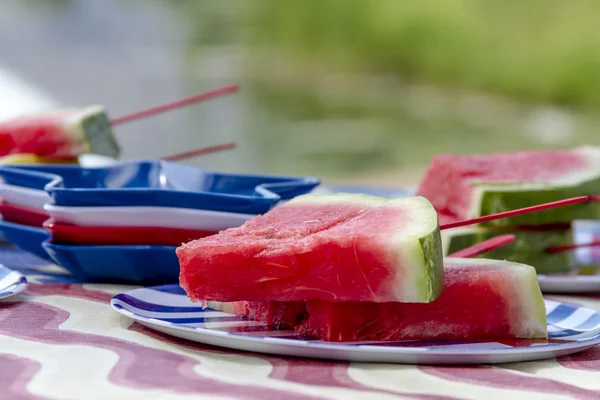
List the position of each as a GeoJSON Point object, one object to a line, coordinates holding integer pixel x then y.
{"type": "Point", "coordinates": [63, 134]}
{"type": "Point", "coordinates": [340, 247]}
{"type": "Point", "coordinates": [528, 248]}
{"type": "Point", "coordinates": [465, 187]}
{"type": "Point", "coordinates": [482, 300]}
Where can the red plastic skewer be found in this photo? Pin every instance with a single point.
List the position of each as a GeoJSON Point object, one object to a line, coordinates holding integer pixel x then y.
{"type": "Point", "coordinates": [569, 247]}
{"type": "Point", "coordinates": [485, 246]}
{"type": "Point", "coordinates": [519, 211]}
{"type": "Point", "coordinates": [211, 94]}
{"type": "Point", "coordinates": [200, 152]}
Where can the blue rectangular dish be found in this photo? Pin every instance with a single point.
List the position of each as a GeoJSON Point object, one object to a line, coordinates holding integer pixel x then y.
{"type": "Point", "coordinates": [141, 265]}
{"type": "Point", "coordinates": [26, 238]}
{"type": "Point", "coordinates": [158, 183]}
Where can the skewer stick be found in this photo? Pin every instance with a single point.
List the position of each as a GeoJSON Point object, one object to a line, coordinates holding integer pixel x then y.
{"type": "Point", "coordinates": [484, 247]}
{"type": "Point", "coordinates": [569, 247]}
{"type": "Point", "coordinates": [200, 152]}
{"type": "Point", "coordinates": [209, 95]}
{"type": "Point", "coordinates": [519, 211]}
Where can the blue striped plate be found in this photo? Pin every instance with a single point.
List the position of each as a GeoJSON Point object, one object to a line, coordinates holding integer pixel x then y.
{"type": "Point", "coordinates": [167, 309]}
{"type": "Point", "coordinates": [11, 282]}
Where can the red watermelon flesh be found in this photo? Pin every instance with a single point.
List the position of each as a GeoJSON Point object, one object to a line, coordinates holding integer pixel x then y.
{"type": "Point", "coordinates": [462, 187]}
{"type": "Point", "coordinates": [482, 300]}
{"type": "Point", "coordinates": [340, 247]}
{"type": "Point", "coordinates": [61, 134]}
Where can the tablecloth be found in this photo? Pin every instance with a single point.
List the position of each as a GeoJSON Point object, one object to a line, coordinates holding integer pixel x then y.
{"type": "Point", "coordinates": [61, 340]}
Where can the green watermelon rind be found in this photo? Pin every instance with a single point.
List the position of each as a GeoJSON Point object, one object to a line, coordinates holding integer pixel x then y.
{"type": "Point", "coordinates": [432, 281]}
{"type": "Point", "coordinates": [493, 200]}
{"type": "Point", "coordinates": [92, 127]}
{"type": "Point", "coordinates": [528, 247]}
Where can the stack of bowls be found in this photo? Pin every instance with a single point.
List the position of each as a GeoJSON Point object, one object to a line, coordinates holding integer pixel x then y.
{"type": "Point", "coordinates": [123, 222]}
{"type": "Point", "coordinates": [22, 202]}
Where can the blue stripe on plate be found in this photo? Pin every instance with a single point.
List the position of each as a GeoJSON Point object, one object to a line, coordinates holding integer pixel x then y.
{"type": "Point", "coordinates": [593, 322]}
{"type": "Point", "coordinates": [560, 313]}
{"type": "Point", "coordinates": [173, 289]}
{"type": "Point", "coordinates": [143, 305]}
{"type": "Point", "coordinates": [562, 334]}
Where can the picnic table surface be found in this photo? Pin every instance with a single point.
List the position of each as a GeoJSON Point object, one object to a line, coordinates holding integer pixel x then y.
{"type": "Point", "coordinates": [60, 339]}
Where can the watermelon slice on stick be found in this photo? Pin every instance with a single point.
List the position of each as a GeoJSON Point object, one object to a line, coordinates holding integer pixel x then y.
{"type": "Point", "coordinates": [63, 134]}
{"type": "Point", "coordinates": [482, 300]}
{"type": "Point", "coordinates": [517, 212]}
{"type": "Point", "coordinates": [340, 247]}
{"type": "Point", "coordinates": [471, 186]}
{"type": "Point", "coordinates": [67, 134]}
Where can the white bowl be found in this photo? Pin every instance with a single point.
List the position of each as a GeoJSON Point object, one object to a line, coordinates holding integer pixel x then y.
{"type": "Point", "coordinates": [164, 217]}
{"type": "Point", "coordinates": [25, 197]}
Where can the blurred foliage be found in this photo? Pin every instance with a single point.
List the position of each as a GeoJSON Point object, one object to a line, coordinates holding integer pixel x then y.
{"type": "Point", "coordinates": [536, 50]}
{"type": "Point", "coordinates": [329, 82]}
{"type": "Point", "coordinates": [335, 86]}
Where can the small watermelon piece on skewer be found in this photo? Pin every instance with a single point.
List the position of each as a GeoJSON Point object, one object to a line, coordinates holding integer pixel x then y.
{"type": "Point", "coordinates": [62, 134]}
{"type": "Point", "coordinates": [341, 247]}
{"type": "Point", "coordinates": [464, 187]}
{"type": "Point", "coordinates": [482, 300]}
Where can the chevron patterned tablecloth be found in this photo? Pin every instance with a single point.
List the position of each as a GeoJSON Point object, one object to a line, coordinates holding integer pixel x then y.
{"type": "Point", "coordinates": [61, 340]}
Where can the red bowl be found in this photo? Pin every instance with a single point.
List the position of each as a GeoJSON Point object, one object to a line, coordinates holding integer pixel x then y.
{"type": "Point", "coordinates": [108, 235]}
{"type": "Point", "coordinates": [22, 215]}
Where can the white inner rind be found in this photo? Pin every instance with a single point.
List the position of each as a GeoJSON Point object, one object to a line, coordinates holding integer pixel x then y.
{"type": "Point", "coordinates": [533, 320]}
{"type": "Point", "coordinates": [530, 302]}
{"type": "Point", "coordinates": [573, 179]}
{"type": "Point", "coordinates": [413, 281]}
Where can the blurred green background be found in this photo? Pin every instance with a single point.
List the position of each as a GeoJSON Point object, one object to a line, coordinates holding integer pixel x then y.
{"type": "Point", "coordinates": [369, 90]}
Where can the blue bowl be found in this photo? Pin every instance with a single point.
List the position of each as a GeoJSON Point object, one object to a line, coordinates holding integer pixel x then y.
{"type": "Point", "coordinates": [158, 183]}
{"type": "Point", "coordinates": [28, 176]}
{"type": "Point", "coordinates": [141, 265]}
{"type": "Point", "coordinates": [27, 238]}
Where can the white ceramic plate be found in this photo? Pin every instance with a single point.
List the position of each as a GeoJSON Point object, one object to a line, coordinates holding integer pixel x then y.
{"type": "Point", "coordinates": [585, 279]}
{"type": "Point", "coordinates": [96, 160]}
{"type": "Point", "coordinates": [168, 310]}
{"type": "Point", "coordinates": [25, 197]}
{"type": "Point", "coordinates": [571, 283]}
{"type": "Point", "coordinates": [11, 282]}
{"type": "Point", "coordinates": [166, 217]}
